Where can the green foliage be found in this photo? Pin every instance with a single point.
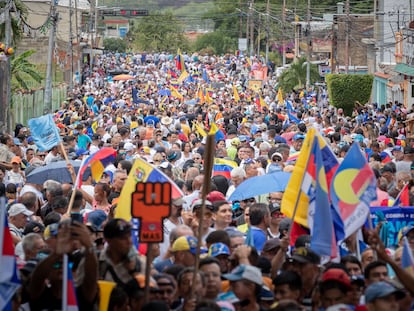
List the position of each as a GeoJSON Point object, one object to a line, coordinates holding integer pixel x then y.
{"type": "Point", "coordinates": [295, 76]}
{"type": "Point", "coordinates": [115, 45]}
{"type": "Point", "coordinates": [16, 27]}
{"type": "Point", "coordinates": [23, 71]}
{"type": "Point", "coordinates": [346, 89]}
{"type": "Point", "coordinates": [216, 41]}
{"type": "Point", "coordinates": [158, 32]}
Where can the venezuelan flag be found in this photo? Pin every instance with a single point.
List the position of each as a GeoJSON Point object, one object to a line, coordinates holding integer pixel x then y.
{"type": "Point", "coordinates": [97, 162]}
{"type": "Point", "coordinates": [403, 198]}
{"type": "Point", "coordinates": [215, 130]}
{"type": "Point", "coordinates": [223, 167]}
{"type": "Point", "coordinates": [142, 172]}
{"type": "Point", "coordinates": [293, 194]}
{"type": "Point", "coordinates": [179, 61]}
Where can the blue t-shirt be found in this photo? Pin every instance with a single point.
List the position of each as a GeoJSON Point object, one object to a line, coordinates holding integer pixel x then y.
{"type": "Point", "coordinates": [84, 141]}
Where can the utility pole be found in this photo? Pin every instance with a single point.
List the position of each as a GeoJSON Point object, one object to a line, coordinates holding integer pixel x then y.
{"type": "Point", "coordinates": [5, 72]}
{"type": "Point", "coordinates": [240, 20]}
{"type": "Point", "coordinates": [308, 53]}
{"type": "Point", "coordinates": [251, 28]}
{"type": "Point", "coordinates": [71, 46]}
{"type": "Point", "coordinates": [52, 34]}
{"type": "Point", "coordinates": [247, 32]}
{"type": "Point", "coordinates": [267, 30]}
{"type": "Point", "coordinates": [78, 39]}
{"type": "Point", "coordinates": [284, 33]}
{"type": "Point", "coordinates": [347, 36]}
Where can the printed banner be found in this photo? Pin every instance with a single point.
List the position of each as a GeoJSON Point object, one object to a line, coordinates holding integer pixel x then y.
{"type": "Point", "coordinates": [396, 219]}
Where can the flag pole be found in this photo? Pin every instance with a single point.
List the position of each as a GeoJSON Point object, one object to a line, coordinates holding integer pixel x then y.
{"type": "Point", "coordinates": [65, 283]}
{"type": "Point", "coordinates": [208, 168]}
{"type": "Point", "coordinates": [148, 262]}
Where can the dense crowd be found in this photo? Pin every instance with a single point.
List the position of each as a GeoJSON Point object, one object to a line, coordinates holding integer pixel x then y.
{"type": "Point", "coordinates": [157, 117]}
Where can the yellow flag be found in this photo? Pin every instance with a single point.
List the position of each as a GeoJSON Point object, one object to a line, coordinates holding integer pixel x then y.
{"type": "Point", "coordinates": [262, 102]}
{"type": "Point", "coordinates": [208, 99]}
{"type": "Point", "coordinates": [184, 75]}
{"type": "Point", "coordinates": [176, 94]}
{"type": "Point", "coordinates": [249, 61]}
{"type": "Point", "coordinates": [200, 130]}
{"type": "Point", "coordinates": [236, 94]}
{"type": "Point", "coordinates": [293, 194]}
{"type": "Point", "coordinates": [213, 128]}
{"type": "Point", "coordinates": [280, 96]}
{"type": "Point", "coordinates": [94, 126]}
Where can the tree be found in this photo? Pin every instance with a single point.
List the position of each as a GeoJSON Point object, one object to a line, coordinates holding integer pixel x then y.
{"type": "Point", "coordinates": [295, 76]}
{"type": "Point", "coordinates": [158, 32]}
{"type": "Point", "coordinates": [16, 27]}
{"type": "Point", "coordinates": [217, 41]}
{"type": "Point", "coordinates": [22, 70]}
{"type": "Point", "coordinates": [347, 89]}
{"type": "Point", "coordinates": [115, 44]}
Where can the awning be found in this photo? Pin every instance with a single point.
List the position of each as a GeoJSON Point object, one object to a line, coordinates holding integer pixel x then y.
{"type": "Point", "coordinates": [404, 69]}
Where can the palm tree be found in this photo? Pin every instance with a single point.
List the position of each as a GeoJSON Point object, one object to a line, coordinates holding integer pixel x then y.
{"type": "Point", "coordinates": [295, 76]}
{"type": "Point", "coordinates": [21, 69]}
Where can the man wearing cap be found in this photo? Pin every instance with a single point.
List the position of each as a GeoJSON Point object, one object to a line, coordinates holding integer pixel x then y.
{"type": "Point", "coordinates": [274, 198]}
{"type": "Point", "coordinates": [18, 217]}
{"type": "Point", "coordinates": [334, 287]}
{"type": "Point", "coordinates": [306, 263]}
{"type": "Point", "coordinates": [382, 296]}
{"type": "Point", "coordinates": [207, 219]}
{"type": "Point", "coordinates": [15, 175]}
{"type": "Point", "coordinates": [297, 142]}
{"type": "Point", "coordinates": [221, 252]}
{"type": "Point", "coordinates": [119, 261]}
{"type": "Point", "coordinates": [184, 250]}
{"type": "Point", "coordinates": [246, 282]}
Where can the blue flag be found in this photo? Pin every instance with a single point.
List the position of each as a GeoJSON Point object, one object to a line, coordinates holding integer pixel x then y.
{"type": "Point", "coordinates": [322, 238]}
{"type": "Point", "coordinates": [44, 132]}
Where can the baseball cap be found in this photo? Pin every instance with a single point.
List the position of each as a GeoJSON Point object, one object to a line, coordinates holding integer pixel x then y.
{"type": "Point", "coordinates": [173, 155]}
{"type": "Point", "coordinates": [51, 231]}
{"type": "Point", "coordinates": [271, 244]}
{"type": "Point", "coordinates": [245, 272]}
{"type": "Point", "coordinates": [217, 249]}
{"type": "Point", "coordinates": [337, 275]}
{"type": "Point", "coordinates": [274, 207]}
{"type": "Point", "coordinates": [276, 154]}
{"type": "Point", "coordinates": [407, 229]}
{"type": "Point", "coordinates": [96, 218]}
{"type": "Point", "coordinates": [178, 201]}
{"type": "Point", "coordinates": [185, 243]}
{"type": "Point", "coordinates": [397, 148]}
{"type": "Point", "coordinates": [116, 227]}
{"type": "Point", "coordinates": [408, 150]}
{"type": "Point", "coordinates": [215, 196]}
{"type": "Point", "coordinates": [303, 241]}
{"type": "Point", "coordinates": [19, 208]}
{"type": "Point", "coordinates": [16, 159]}
{"type": "Point", "coordinates": [129, 146]}
{"type": "Point", "coordinates": [298, 136]}
{"type": "Point", "coordinates": [34, 226]}
{"type": "Point", "coordinates": [235, 141]}
{"type": "Point", "coordinates": [380, 290]}
{"type": "Point", "coordinates": [198, 203]}
{"type": "Point", "coordinates": [306, 255]}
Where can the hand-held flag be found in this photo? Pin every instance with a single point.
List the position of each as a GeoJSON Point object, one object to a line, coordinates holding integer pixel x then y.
{"type": "Point", "coordinates": [44, 132]}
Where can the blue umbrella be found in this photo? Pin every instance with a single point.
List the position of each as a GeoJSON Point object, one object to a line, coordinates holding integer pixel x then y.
{"type": "Point", "coordinates": [164, 92]}
{"type": "Point", "coordinates": [258, 185]}
{"type": "Point", "coordinates": [57, 171]}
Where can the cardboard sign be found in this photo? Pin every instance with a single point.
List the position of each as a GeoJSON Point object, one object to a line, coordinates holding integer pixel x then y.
{"type": "Point", "coordinates": [151, 203]}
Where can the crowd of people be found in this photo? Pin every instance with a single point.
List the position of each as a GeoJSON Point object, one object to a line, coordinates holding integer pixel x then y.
{"type": "Point", "coordinates": [158, 117]}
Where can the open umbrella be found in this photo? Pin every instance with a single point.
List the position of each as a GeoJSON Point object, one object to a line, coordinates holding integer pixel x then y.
{"type": "Point", "coordinates": [55, 171]}
{"type": "Point", "coordinates": [258, 185]}
{"type": "Point", "coordinates": [123, 77]}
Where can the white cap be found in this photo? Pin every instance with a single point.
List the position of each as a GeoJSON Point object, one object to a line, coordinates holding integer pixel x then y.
{"type": "Point", "coordinates": [19, 208]}
{"type": "Point", "coordinates": [129, 146]}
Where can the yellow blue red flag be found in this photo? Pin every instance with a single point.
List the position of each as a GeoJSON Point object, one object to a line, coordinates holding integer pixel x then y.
{"type": "Point", "coordinates": [142, 172]}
